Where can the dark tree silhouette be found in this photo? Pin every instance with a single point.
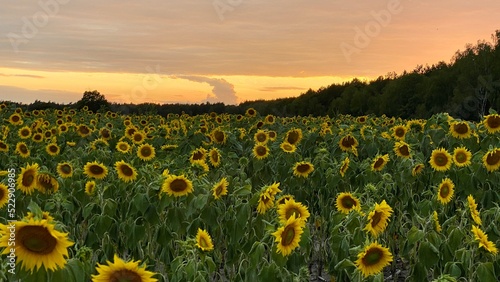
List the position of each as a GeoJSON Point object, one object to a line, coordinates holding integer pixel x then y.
{"type": "Point", "coordinates": [94, 101]}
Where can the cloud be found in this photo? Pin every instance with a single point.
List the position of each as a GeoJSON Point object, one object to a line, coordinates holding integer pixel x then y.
{"type": "Point", "coordinates": [222, 90]}
{"type": "Point", "coordinates": [22, 75]}
{"type": "Point", "coordinates": [280, 88]}
{"type": "Point", "coordinates": [28, 96]}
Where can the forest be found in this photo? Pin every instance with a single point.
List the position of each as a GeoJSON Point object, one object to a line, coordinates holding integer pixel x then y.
{"type": "Point", "coordinates": [467, 88]}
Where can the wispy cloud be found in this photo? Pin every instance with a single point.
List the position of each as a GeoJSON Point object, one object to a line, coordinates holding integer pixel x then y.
{"type": "Point", "coordinates": [23, 95]}
{"type": "Point", "coordinates": [21, 75]}
{"type": "Point", "coordinates": [222, 90]}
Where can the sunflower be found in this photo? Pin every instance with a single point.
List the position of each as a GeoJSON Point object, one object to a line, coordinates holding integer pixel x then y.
{"type": "Point", "coordinates": [198, 155]}
{"type": "Point", "coordinates": [95, 170]}
{"type": "Point", "coordinates": [119, 270]}
{"type": "Point", "coordinates": [344, 166]}
{"type": "Point", "coordinates": [460, 129]}
{"type": "Point", "coordinates": [287, 147]}
{"type": "Point", "coordinates": [417, 169]}
{"type": "Point", "coordinates": [52, 149]}
{"type": "Point", "coordinates": [105, 133]}
{"type": "Point", "coordinates": [43, 216]}
{"type": "Point", "coordinates": [378, 218]}
{"type": "Point", "coordinates": [399, 132]}
{"type": "Point", "coordinates": [203, 240]}
{"type": "Point", "coordinates": [22, 150]}
{"type": "Point", "coordinates": [63, 128]}
{"type": "Point", "coordinates": [126, 172]}
{"type": "Point", "coordinates": [37, 243]}
{"type": "Point", "coordinates": [491, 160]}
{"type": "Point", "coordinates": [347, 202]}
{"type": "Point", "coordinates": [37, 137]}
{"type": "Point", "coordinates": [83, 130]}
{"type": "Point", "coordinates": [261, 137]}
{"type": "Point", "coordinates": [214, 157]}
{"type": "Point", "coordinates": [90, 187]}
{"type": "Point", "coordinates": [46, 183]}
{"type": "Point", "coordinates": [462, 157]}
{"type": "Point", "coordinates": [122, 147]}
{"type": "Point", "coordinates": [220, 188]}
{"type": "Point", "coordinates": [293, 136]}
{"type": "Point", "coordinates": [402, 149]}
{"type": "Point", "coordinates": [289, 208]}
{"type": "Point", "coordinates": [177, 186]}
{"type": "Point", "coordinates": [348, 143]}
{"type": "Point", "coordinates": [260, 151]}
{"type": "Point", "coordinates": [440, 160]}
{"type": "Point", "coordinates": [303, 169]}
{"type": "Point", "coordinates": [265, 202]}
{"type": "Point", "coordinates": [283, 199]}
{"type": "Point", "coordinates": [250, 112]}
{"type": "Point", "coordinates": [288, 236]}
{"type": "Point", "coordinates": [373, 259]}
{"type": "Point", "coordinates": [492, 123]}
{"type": "Point", "coordinates": [24, 132]}
{"type": "Point", "coordinates": [146, 152]}
{"type": "Point", "coordinates": [436, 221]}
{"type": "Point", "coordinates": [138, 137]}
{"type": "Point", "coordinates": [65, 170]}
{"type": "Point", "coordinates": [473, 210]}
{"type": "Point", "coordinates": [445, 191]}
{"type": "Point", "coordinates": [379, 162]}
{"type": "Point", "coordinates": [15, 119]}
{"type": "Point", "coordinates": [4, 147]}
{"type": "Point", "coordinates": [4, 195]}
{"type": "Point", "coordinates": [26, 181]}
{"type": "Point", "coordinates": [218, 136]}
{"type": "Point", "coordinates": [482, 237]}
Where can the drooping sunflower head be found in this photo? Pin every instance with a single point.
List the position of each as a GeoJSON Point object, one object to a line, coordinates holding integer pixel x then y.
{"type": "Point", "coordinates": [417, 169]}
{"type": "Point", "coordinates": [105, 133]}
{"type": "Point", "coordinates": [303, 169]}
{"type": "Point", "coordinates": [119, 270]}
{"type": "Point", "coordinates": [347, 202]}
{"type": "Point", "coordinates": [344, 166]}
{"type": "Point", "coordinates": [220, 188]}
{"type": "Point", "coordinates": [379, 162]}
{"type": "Point", "coordinates": [436, 221]}
{"type": "Point", "coordinates": [65, 170]}
{"type": "Point", "coordinates": [52, 149]}
{"type": "Point", "coordinates": [203, 240]}
{"type": "Point", "coordinates": [402, 149]}
{"type": "Point", "coordinates": [260, 151]}
{"type": "Point", "coordinates": [126, 172]}
{"type": "Point", "coordinates": [95, 170]}
{"type": "Point", "coordinates": [482, 237]}
{"type": "Point", "coordinates": [26, 181]}
{"type": "Point", "coordinates": [22, 149]}
{"type": "Point", "coordinates": [373, 259]}
{"type": "Point", "coordinates": [214, 157]}
{"type": "Point", "coordinates": [283, 199]}
{"type": "Point", "coordinates": [90, 187]}
{"type": "Point", "coordinates": [288, 236]}
{"type": "Point", "coordinates": [46, 183]}
{"type": "Point", "coordinates": [261, 137]}
{"type": "Point", "coordinates": [348, 143]}
{"type": "Point", "coordinates": [491, 160]}
{"type": "Point", "coordinates": [287, 147]}
{"type": "Point", "coordinates": [460, 129]}
{"type": "Point", "coordinates": [492, 123]}
{"type": "Point", "coordinates": [293, 136]}
{"type": "Point", "coordinates": [440, 160]}
{"type": "Point", "coordinates": [289, 208]}
{"type": "Point", "coordinates": [177, 186]}
{"type": "Point", "coordinates": [38, 243]}
{"type": "Point", "coordinates": [462, 157]}
{"type": "Point", "coordinates": [378, 219]}
{"type": "Point", "coordinates": [146, 152]}
{"type": "Point", "coordinates": [266, 201]}
{"type": "Point", "coordinates": [473, 210]}
{"type": "Point", "coordinates": [445, 191]}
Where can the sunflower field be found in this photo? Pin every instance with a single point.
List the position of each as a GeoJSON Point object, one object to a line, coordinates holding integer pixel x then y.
{"type": "Point", "coordinates": [108, 197]}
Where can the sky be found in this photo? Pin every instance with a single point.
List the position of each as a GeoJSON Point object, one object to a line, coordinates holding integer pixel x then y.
{"type": "Point", "coordinates": [230, 51]}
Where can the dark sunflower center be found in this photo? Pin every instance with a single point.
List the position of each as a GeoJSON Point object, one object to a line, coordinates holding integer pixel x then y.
{"type": "Point", "coordinates": [15, 118]}
{"type": "Point", "coordinates": [493, 158]}
{"type": "Point", "coordinates": [461, 128]}
{"type": "Point", "coordinates": [348, 202]}
{"type": "Point", "coordinates": [461, 157]}
{"type": "Point", "coordinates": [105, 134]}
{"type": "Point", "coordinates": [137, 137]}
{"type": "Point", "coordinates": [96, 169]}
{"type": "Point", "coordinates": [28, 178]}
{"type": "Point", "coordinates": [37, 137]}
{"type": "Point", "coordinates": [131, 131]}
{"type": "Point", "coordinates": [493, 122]}
{"type": "Point", "coordinates": [348, 141]}
{"type": "Point", "coordinates": [293, 137]}
{"type": "Point", "coordinates": [270, 119]}
{"type": "Point", "coordinates": [125, 169]}
{"type": "Point", "coordinates": [123, 147]}
{"type": "Point", "coordinates": [376, 218]}
{"type": "Point", "coordinates": [444, 191]}
{"type": "Point", "coordinates": [261, 137]}
{"type": "Point", "coordinates": [178, 185]}
{"type": "Point", "coordinates": [48, 134]}
{"type": "Point", "coordinates": [403, 150]}
{"type": "Point", "coordinates": [400, 132]}
{"type": "Point", "coordinates": [36, 239]}
{"type": "Point", "coordinates": [84, 130]}
{"type": "Point", "coordinates": [198, 155]}
{"type": "Point", "coordinates": [261, 151]}
{"type": "Point", "coordinates": [440, 159]}
{"type": "Point", "coordinates": [2, 194]}
{"type": "Point", "coordinates": [125, 275]}
{"type": "Point", "coordinates": [272, 134]}
{"type": "Point", "coordinates": [215, 157]}
{"type": "Point", "coordinates": [3, 145]}
{"type": "Point", "coordinates": [63, 128]}
{"type": "Point", "coordinates": [251, 112]}
{"type": "Point", "coordinates": [53, 149]}
{"type": "Point", "coordinates": [292, 211]}
{"type": "Point", "coordinates": [219, 189]}
{"type": "Point", "coordinates": [380, 162]}
{"type": "Point", "coordinates": [25, 132]}
{"type": "Point", "coordinates": [146, 151]}
{"type": "Point", "coordinates": [303, 168]}
{"type": "Point", "coordinates": [219, 136]}
{"type": "Point", "coordinates": [287, 236]}
{"type": "Point", "coordinates": [23, 149]}
{"type": "Point", "coordinates": [372, 256]}
{"type": "Point", "coordinates": [287, 147]}
{"type": "Point", "coordinates": [203, 242]}
{"type": "Point", "coordinates": [66, 168]}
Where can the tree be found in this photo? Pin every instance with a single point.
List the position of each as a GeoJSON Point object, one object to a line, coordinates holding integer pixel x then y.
{"type": "Point", "coordinates": [94, 101]}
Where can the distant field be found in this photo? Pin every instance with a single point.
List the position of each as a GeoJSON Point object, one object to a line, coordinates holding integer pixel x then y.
{"type": "Point", "coordinates": [247, 197]}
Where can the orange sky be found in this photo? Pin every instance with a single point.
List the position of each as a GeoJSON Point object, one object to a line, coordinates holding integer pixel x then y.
{"type": "Point", "coordinates": [229, 51]}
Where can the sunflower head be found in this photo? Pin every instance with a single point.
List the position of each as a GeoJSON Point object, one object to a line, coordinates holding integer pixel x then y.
{"type": "Point", "coordinates": [177, 186]}
{"type": "Point", "coordinates": [26, 181]}
{"type": "Point", "coordinates": [90, 187]}
{"type": "Point", "coordinates": [260, 151]}
{"type": "Point", "coordinates": [462, 157]}
{"type": "Point", "coordinates": [347, 202]}
{"type": "Point", "coordinates": [214, 157]}
{"type": "Point", "coordinates": [261, 137]}
{"type": "Point", "coordinates": [492, 123]}
{"type": "Point", "coordinates": [83, 130]}
{"type": "Point", "coordinates": [95, 170]}
{"type": "Point", "coordinates": [218, 136]}
{"type": "Point", "coordinates": [379, 162]}
{"type": "Point", "coordinates": [303, 169]}
{"type": "Point", "coordinates": [440, 160]}
{"type": "Point", "coordinates": [293, 136]}
{"type": "Point", "coordinates": [22, 149]}
{"type": "Point", "coordinates": [460, 129]}
{"type": "Point", "coordinates": [402, 149]}
{"type": "Point", "coordinates": [52, 149]}
{"type": "Point", "coordinates": [146, 152]}
{"type": "Point", "coordinates": [4, 195]}
{"type": "Point", "coordinates": [47, 183]}
{"type": "Point", "coordinates": [126, 172]}
{"type": "Point", "coordinates": [289, 208]}
{"type": "Point", "coordinates": [445, 191]}
{"type": "Point", "coordinates": [348, 143]}
{"type": "Point", "coordinates": [482, 238]}
{"type": "Point", "coordinates": [287, 147]}
{"type": "Point", "coordinates": [198, 155]}
{"type": "Point", "coordinates": [491, 160]}
{"type": "Point", "coordinates": [378, 218]}
{"type": "Point", "coordinates": [373, 259]}
{"type": "Point", "coordinates": [203, 240]}
{"type": "Point", "coordinates": [24, 132]}
{"type": "Point", "coordinates": [122, 147]}
{"type": "Point", "coordinates": [251, 112]}
{"type": "Point", "coordinates": [288, 236]}
{"type": "Point", "coordinates": [119, 270]}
